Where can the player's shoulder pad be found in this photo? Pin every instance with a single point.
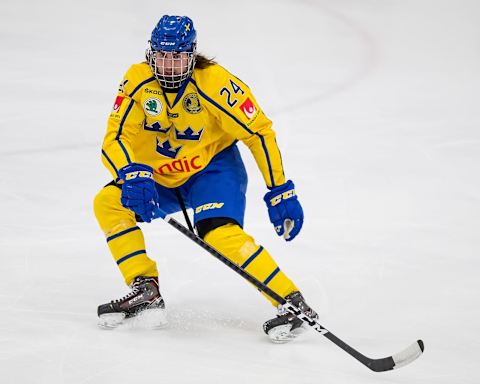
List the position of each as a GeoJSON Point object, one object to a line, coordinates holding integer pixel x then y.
{"type": "Point", "coordinates": [231, 96]}
{"type": "Point", "coordinates": [214, 78]}
{"type": "Point", "coordinates": [134, 77]}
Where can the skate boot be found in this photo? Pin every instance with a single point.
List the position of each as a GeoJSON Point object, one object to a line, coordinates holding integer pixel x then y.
{"type": "Point", "coordinates": [286, 326]}
{"type": "Point", "coordinates": [144, 303]}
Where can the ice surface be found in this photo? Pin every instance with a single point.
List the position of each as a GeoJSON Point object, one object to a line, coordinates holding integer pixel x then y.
{"type": "Point", "coordinates": [376, 105]}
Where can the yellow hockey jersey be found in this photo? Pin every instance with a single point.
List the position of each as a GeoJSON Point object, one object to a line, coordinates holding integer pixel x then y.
{"type": "Point", "coordinates": [178, 134]}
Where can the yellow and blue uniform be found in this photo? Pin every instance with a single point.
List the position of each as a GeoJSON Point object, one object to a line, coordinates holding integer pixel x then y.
{"type": "Point", "coordinates": [189, 139]}
{"type": "Point", "coordinates": [178, 134]}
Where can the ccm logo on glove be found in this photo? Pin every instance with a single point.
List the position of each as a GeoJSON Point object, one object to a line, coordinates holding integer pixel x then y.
{"type": "Point", "coordinates": [139, 193]}
{"type": "Point", "coordinates": [284, 210]}
{"type": "Point", "coordinates": [284, 196]}
{"type": "Point", "coordinates": [141, 174]}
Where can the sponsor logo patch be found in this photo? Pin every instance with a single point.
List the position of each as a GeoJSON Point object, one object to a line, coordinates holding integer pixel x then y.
{"type": "Point", "coordinates": [154, 91]}
{"type": "Point", "coordinates": [191, 104]}
{"type": "Point", "coordinates": [118, 103]}
{"type": "Point", "coordinates": [153, 106]}
{"type": "Point", "coordinates": [181, 165]}
{"type": "Point", "coordinates": [248, 108]}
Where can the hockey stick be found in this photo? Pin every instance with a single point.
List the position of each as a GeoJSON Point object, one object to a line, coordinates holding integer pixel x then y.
{"type": "Point", "coordinates": [378, 365]}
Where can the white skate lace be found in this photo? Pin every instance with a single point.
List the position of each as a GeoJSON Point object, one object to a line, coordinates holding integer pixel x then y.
{"type": "Point", "coordinates": [135, 290]}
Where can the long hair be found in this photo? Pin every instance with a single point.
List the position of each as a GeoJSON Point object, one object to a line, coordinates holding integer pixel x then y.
{"type": "Point", "coordinates": [202, 62]}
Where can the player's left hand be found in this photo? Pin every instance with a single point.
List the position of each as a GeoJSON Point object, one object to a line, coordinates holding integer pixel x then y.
{"type": "Point", "coordinates": [285, 211]}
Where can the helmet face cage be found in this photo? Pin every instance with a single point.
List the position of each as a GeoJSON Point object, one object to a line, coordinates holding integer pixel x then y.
{"type": "Point", "coordinates": [172, 50]}
{"type": "Point", "coordinates": [171, 68]}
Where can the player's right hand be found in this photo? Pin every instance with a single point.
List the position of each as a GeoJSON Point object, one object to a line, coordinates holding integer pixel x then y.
{"type": "Point", "coordinates": [138, 190]}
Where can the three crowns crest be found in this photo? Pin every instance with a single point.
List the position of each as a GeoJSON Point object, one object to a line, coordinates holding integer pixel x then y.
{"type": "Point", "coordinates": [188, 134]}
{"type": "Point", "coordinates": [165, 149]}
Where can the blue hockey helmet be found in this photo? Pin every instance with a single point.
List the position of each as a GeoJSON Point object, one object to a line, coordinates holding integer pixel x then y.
{"type": "Point", "coordinates": [172, 50]}
{"type": "Point", "coordinates": [174, 33]}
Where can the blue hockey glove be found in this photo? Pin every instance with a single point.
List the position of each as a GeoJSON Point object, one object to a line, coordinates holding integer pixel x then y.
{"type": "Point", "coordinates": [285, 211]}
{"type": "Point", "coordinates": [138, 190]}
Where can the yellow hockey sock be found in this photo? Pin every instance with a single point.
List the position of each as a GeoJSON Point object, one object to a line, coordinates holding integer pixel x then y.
{"type": "Point", "coordinates": [239, 247]}
{"type": "Point", "coordinates": [124, 237]}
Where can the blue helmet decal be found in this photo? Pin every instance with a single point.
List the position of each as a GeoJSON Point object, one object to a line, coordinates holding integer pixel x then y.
{"type": "Point", "coordinates": [174, 33]}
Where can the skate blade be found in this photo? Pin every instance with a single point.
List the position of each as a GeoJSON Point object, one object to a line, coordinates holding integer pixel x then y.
{"type": "Point", "coordinates": [110, 320]}
{"type": "Point", "coordinates": [282, 334]}
{"type": "Point", "coordinates": [154, 318]}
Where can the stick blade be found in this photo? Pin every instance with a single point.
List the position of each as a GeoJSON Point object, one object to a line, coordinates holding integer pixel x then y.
{"type": "Point", "coordinates": [398, 360]}
{"type": "Point", "coordinates": [408, 355]}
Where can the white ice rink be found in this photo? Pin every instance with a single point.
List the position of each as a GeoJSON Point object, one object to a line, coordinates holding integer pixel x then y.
{"type": "Point", "coordinates": [377, 108]}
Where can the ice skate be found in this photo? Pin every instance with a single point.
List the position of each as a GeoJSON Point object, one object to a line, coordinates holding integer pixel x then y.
{"type": "Point", "coordinates": [286, 326]}
{"type": "Point", "coordinates": [144, 305]}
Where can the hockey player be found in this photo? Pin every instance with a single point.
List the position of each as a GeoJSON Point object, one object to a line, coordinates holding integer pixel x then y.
{"type": "Point", "coordinates": [171, 141]}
